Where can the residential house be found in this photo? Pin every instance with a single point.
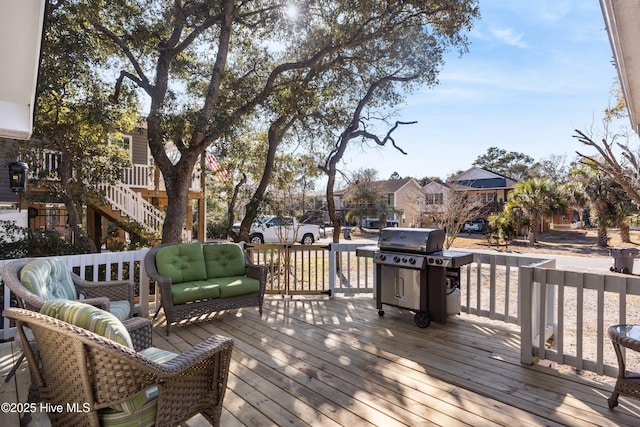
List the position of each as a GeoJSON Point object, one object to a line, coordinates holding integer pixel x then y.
{"type": "Point", "coordinates": [404, 196]}
{"type": "Point", "coordinates": [490, 187]}
{"type": "Point", "coordinates": [136, 203]}
{"type": "Point", "coordinates": [436, 196]}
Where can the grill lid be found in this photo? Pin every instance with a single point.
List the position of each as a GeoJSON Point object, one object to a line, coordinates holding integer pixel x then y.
{"type": "Point", "coordinates": [421, 240]}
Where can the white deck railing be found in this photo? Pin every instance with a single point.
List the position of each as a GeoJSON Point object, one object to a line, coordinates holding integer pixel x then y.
{"type": "Point", "coordinates": [126, 265]}
{"type": "Point", "coordinates": [572, 309]}
{"type": "Point", "coordinates": [583, 306]}
{"type": "Point", "coordinates": [136, 176]}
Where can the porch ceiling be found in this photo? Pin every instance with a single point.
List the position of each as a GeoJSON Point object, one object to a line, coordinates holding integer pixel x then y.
{"type": "Point", "coordinates": [21, 23]}
{"type": "Point", "coordinates": [622, 18]}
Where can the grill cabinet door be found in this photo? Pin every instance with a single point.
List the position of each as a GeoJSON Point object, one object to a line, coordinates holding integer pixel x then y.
{"type": "Point", "coordinates": [400, 287]}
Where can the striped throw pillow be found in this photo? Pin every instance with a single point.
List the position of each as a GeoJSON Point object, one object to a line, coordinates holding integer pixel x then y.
{"type": "Point", "coordinates": [90, 318]}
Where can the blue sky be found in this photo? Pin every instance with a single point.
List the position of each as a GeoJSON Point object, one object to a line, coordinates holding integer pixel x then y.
{"type": "Point", "coordinates": [535, 71]}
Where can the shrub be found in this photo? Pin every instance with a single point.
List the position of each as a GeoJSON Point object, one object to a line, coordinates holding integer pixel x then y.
{"type": "Point", "coordinates": [20, 242]}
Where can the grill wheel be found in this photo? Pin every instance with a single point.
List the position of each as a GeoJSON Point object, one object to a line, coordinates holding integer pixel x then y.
{"type": "Point", "coordinates": [422, 319]}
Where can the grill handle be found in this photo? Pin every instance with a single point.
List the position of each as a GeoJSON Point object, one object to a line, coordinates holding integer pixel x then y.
{"type": "Point", "coordinates": [399, 287]}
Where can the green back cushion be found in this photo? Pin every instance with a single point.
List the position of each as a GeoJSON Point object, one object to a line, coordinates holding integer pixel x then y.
{"type": "Point", "coordinates": [182, 262]}
{"type": "Point", "coordinates": [90, 318]}
{"type": "Point", "coordinates": [48, 278]}
{"type": "Point", "coordinates": [224, 260]}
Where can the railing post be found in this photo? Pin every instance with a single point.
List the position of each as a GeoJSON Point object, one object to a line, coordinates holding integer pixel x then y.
{"type": "Point", "coordinates": [332, 269]}
{"type": "Point", "coordinates": [144, 285]}
{"type": "Point", "coordinates": [525, 298]}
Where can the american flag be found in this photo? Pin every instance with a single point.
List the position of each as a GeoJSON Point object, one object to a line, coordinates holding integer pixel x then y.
{"type": "Point", "coordinates": [218, 168]}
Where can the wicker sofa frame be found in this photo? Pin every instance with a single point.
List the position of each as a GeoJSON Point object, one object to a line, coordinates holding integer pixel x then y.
{"type": "Point", "coordinates": [98, 294]}
{"type": "Point", "coordinates": [177, 312]}
{"type": "Point", "coordinates": [74, 365]}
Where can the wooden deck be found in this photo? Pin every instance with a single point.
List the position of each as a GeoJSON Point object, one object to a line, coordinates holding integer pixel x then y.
{"type": "Point", "coordinates": [330, 362]}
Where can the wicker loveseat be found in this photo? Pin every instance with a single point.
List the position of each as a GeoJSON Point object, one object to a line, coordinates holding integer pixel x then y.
{"type": "Point", "coordinates": [201, 278]}
{"type": "Point", "coordinates": [87, 367]}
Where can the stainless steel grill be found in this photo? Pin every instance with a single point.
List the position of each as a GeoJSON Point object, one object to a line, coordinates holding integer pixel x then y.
{"type": "Point", "coordinates": [413, 272]}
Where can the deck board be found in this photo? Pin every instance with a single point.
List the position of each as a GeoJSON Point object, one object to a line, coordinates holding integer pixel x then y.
{"type": "Point", "coordinates": [335, 362]}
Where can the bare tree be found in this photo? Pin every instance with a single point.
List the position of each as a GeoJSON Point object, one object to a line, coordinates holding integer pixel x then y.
{"type": "Point", "coordinates": [456, 209]}
{"type": "Point", "coordinates": [626, 172]}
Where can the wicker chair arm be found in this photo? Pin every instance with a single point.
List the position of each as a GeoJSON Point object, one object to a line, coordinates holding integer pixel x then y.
{"type": "Point", "coordinates": [26, 298]}
{"type": "Point", "coordinates": [115, 290]}
{"type": "Point", "coordinates": [163, 282]}
{"type": "Point", "coordinates": [196, 378]}
{"type": "Point", "coordinates": [140, 330]}
{"type": "Point", "coordinates": [100, 302]}
{"type": "Point", "coordinates": [150, 264]}
{"type": "Point", "coordinates": [200, 353]}
{"type": "Point", "coordinates": [259, 273]}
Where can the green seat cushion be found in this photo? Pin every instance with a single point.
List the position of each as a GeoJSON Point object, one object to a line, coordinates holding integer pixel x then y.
{"type": "Point", "coordinates": [182, 262]}
{"type": "Point", "coordinates": [141, 410]}
{"type": "Point", "coordinates": [223, 260]}
{"type": "Point", "coordinates": [236, 285]}
{"type": "Point", "coordinates": [90, 318]}
{"type": "Point", "coordinates": [194, 291]}
{"type": "Point", "coordinates": [49, 279]}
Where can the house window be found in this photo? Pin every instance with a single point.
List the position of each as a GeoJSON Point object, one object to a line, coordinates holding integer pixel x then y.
{"type": "Point", "coordinates": [124, 141]}
{"type": "Point", "coordinates": [434, 199]}
{"type": "Point", "coordinates": [486, 197]}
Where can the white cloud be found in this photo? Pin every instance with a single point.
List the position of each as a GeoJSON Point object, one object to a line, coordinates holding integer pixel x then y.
{"type": "Point", "coordinates": [507, 36]}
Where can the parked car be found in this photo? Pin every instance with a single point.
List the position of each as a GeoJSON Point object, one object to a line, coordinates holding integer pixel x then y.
{"type": "Point", "coordinates": [477, 225]}
{"type": "Point", "coordinates": [274, 229]}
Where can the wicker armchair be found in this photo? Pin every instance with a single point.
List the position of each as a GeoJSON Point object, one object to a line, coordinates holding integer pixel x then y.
{"type": "Point", "coordinates": [102, 292]}
{"type": "Point", "coordinates": [99, 294]}
{"type": "Point", "coordinates": [78, 367]}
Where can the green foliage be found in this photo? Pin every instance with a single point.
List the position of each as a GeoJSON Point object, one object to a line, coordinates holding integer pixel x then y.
{"type": "Point", "coordinates": [211, 68]}
{"type": "Point", "coordinates": [19, 242]}
{"type": "Point", "coordinates": [529, 201]}
{"type": "Point", "coordinates": [74, 117]}
{"type": "Point", "coordinates": [366, 199]}
{"type": "Point", "coordinates": [505, 224]}
{"type": "Point", "coordinates": [509, 163]}
{"type": "Point", "coordinates": [610, 202]}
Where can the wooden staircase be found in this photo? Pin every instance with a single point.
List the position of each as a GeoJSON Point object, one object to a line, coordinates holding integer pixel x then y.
{"type": "Point", "coordinates": [132, 212]}
{"type": "Point", "coordinates": [125, 206]}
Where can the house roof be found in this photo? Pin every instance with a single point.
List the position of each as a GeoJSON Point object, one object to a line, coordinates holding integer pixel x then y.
{"type": "Point", "coordinates": [477, 178]}
{"type": "Point", "coordinates": [435, 187]}
{"type": "Point", "coordinates": [622, 19]}
{"type": "Point", "coordinates": [390, 186]}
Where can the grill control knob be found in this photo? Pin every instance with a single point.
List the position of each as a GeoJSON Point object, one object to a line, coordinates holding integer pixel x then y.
{"type": "Point", "coordinates": [412, 261]}
{"type": "Point", "coordinates": [438, 261]}
{"type": "Point", "coordinates": [404, 260]}
{"type": "Point", "coordinates": [383, 257]}
{"type": "Point", "coordinates": [431, 260]}
{"type": "Point", "coordinates": [396, 259]}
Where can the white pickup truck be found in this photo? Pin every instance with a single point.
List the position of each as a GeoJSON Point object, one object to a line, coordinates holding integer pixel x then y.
{"type": "Point", "coordinates": [477, 225]}
{"type": "Point", "coordinates": [273, 229]}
